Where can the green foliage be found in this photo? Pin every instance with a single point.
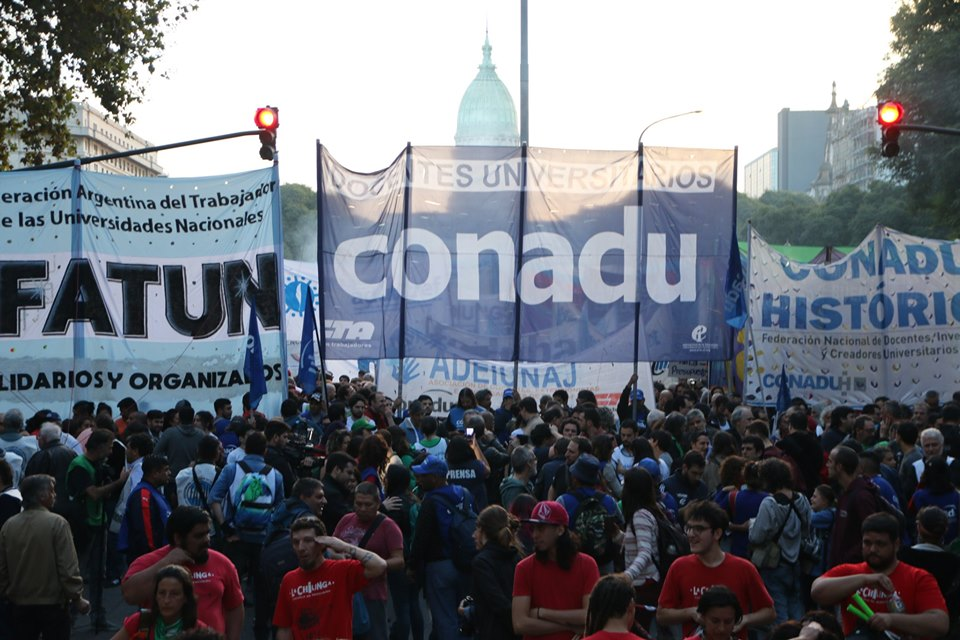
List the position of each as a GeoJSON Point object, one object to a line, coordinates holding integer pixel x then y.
{"type": "Point", "coordinates": [299, 219]}
{"type": "Point", "coordinates": [843, 219]}
{"type": "Point", "coordinates": [925, 76]}
{"type": "Point", "coordinates": [53, 50]}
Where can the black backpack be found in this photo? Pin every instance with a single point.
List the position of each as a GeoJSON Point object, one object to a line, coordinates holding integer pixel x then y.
{"type": "Point", "coordinates": [589, 523]}
{"type": "Point", "coordinates": [672, 543]}
{"type": "Point", "coordinates": [463, 522]}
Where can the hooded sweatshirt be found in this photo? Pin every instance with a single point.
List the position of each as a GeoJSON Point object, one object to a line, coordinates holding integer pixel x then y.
{"type": "Point", "coordinates": [179, 444]}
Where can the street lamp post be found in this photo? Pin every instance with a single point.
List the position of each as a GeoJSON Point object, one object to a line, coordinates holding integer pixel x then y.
{"type": "Point", "coordinates": [636, 312]}
{"type": "Point", "coordinates": [676, 115]}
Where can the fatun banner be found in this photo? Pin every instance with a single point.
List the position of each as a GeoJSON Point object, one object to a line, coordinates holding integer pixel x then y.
{"type": "Point", "coordinates": [536, 255]}
{"type": "Point", "coordinates": [881, 321]}
{"type": "Point", "coordinates": [116, 286]}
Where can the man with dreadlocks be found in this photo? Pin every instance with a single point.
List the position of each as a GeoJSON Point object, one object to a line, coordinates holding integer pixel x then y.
{"type": "Point", "coordinates": [551, 588]}
{"type": "Point", "coordinates": [611, 610]}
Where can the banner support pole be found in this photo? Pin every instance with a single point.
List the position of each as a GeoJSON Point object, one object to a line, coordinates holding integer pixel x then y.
{"type": "Point", "coordinates": [636, 306]}
{"type": "Point", "coordinates": [278, 235]}
{"type": "Point", "coordinates": [407, 189]}
{"type": "Point", "coordinates": [76, 251]}
{"type": "Point", "coordinates": [321, 343]}
{"type": "Point", "coordinates": [751, 348]}
{"type": "Point", "coordinates": [518, 303]}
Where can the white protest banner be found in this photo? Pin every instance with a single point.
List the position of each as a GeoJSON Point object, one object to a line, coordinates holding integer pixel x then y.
{"type": "Point", "coordinates": [442, 378]}
{"type": "Point", "coordinates": [883, 321]}
{"type": "Point", "coordinates": [114, 286]}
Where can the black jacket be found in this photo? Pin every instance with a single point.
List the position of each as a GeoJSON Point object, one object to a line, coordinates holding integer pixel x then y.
{"type": "Point", "coordinates": [804, 448]}
{"type": "Point", "coordinates": [493, 569]}
{"type": "Point", "coordinates": [339, 503]}
{"type": "Point", "coordinates": [276, 459]}
{"type": "Point", "coordinates": [53, 460]}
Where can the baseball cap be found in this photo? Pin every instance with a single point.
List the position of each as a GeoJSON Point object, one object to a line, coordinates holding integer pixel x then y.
{"type": "Point", "coordinates": [549, 512]}
{"type": "Point", "coordinates": [638, 394]}
{"type": "Point", "coordinates": [46, 415]}
{"type": "Point", "coordinates": [316, 396]}
{"type": "Point", "coordinates": [431, 465]}
{"type": "Point", "coordinates": [362, 423]}
{"type": "Point", "coordinates": [508, 393]}
{"type": "Point", "coordinates": [652, 467]}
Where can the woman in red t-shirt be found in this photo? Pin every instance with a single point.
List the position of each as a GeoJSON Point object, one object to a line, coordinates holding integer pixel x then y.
{"type": "Point", "coordinates": [174, 609]}
{"type": "Point", "coordinates": [610, 610]}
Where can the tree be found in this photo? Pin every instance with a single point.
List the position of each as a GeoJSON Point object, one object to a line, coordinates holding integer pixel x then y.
{"type": "Point", "coordinates": [299, 220]}
{"type": "Point", "coordinates": [783, 215]}
{"type": "Point", "coordinates": [925, 77]}
{"type": "Point", "coordinates": [845, 218]}
{"type": "Point", "coordinates": [52, 50]}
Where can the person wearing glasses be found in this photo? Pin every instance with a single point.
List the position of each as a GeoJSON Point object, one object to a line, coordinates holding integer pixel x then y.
{"type": "Point", "coordinates": [707, 565]}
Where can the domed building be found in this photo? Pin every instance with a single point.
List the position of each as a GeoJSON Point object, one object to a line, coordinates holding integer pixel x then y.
{"type": "Point", "coordinates": [487, 115]}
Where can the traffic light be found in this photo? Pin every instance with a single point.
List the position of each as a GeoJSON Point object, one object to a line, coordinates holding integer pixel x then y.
{"type": "Point", "coordinates": [267, 120]}
{"type": "Point", "coordinates": [890, 116]}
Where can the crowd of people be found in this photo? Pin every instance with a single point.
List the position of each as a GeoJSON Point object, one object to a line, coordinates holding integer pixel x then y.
{"type": "Point", "coordinates": [354, 515]}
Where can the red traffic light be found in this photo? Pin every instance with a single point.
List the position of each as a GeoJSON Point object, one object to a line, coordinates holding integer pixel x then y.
{"type": "Point", "coordinates": [266, 118]}
{"type": "Point", "coordinates": [889, 113]}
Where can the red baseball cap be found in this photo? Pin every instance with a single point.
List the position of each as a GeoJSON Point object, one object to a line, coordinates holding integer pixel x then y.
{"type": "Point", "coordinates": [549, 512]}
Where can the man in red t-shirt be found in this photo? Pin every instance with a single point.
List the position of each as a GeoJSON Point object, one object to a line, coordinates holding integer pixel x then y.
{"type": "Point", "coordinates": [215, 581]}
{"type": "Point", "coordinates": [384, 538]}
{"type": "Point", "coordinates": [707, 566]}
{"type": "Point", "coordinates": [551, 588]}
{"type": "Point", "coordinates": [316, 600]}
{"type": "Point", "coordinates": [905, 600]}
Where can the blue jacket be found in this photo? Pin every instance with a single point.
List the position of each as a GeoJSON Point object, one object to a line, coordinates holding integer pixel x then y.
{"type": "Point", "coordinates": [220, 492]}
{"type": "Point", "coordinates": [144, 524]}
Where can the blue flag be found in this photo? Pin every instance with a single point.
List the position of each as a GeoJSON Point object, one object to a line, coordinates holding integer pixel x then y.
{"type": "Point", "coordinates": [307, 375]}
{"type": "Point", "coordinates": [253, 361]}
{"type": "Point", "coordinates": [734, 287]}
{"type": "Point", "coordinates": [783, 395]}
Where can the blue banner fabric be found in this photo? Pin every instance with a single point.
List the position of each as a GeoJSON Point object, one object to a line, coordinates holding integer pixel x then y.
{"type": "Point", "coordinates": [544, 256]}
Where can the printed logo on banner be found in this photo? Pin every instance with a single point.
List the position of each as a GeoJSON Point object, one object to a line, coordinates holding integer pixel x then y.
{"type": "Point", "coordinates": [699, 345]}
{"type": "Point", "coordinates": [349, 330]}
{"type": "Point", "coordinates": [816, 382]}
{"type": "Point", "coordinates": [411, 370]}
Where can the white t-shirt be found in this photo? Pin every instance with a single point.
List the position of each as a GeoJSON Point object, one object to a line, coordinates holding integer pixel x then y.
{"type": "Point", "coordinates": [187, 494]}
{"type": "Point", "coordinates": [623, 457]}
{"type": "Point", "coordinates": [16, 465]}
{"type": "Point", "coordinates": [136, 475]}
{"type": "Point", "coordinates": [69, 441]}
{"type": "Point", "coordinates": [439, 449]}
{"type": "Point", "coordinates": [23, 446]}
{"type": "Point", "coordinates": [236, 455]}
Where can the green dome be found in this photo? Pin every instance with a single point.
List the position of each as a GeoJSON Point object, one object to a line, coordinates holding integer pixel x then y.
{"type": "Point", "coordinates": [487, 116]}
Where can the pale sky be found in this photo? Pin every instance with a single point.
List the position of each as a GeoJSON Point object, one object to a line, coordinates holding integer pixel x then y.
{"type": "Point", "coordinates": [364, 77]}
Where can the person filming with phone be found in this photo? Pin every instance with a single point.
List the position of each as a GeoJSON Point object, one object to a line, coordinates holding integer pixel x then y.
{"type": "Point", "coordinates": [468, 467]}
